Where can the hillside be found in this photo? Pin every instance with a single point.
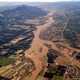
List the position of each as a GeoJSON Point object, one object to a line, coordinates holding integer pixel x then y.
{"type": "Point", "coordinates": [24, 11]}
{"type": "Point", "coordinates": [40, 41]}
{"type": "Point", "coordinates": [19, 14]}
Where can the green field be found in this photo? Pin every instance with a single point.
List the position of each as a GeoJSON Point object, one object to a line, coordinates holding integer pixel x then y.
{"type": "Point", "coordinates": [6, 60]}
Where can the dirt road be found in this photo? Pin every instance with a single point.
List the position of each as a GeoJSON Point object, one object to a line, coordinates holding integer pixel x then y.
{"type": "Point", "coordinates": [38, 50]}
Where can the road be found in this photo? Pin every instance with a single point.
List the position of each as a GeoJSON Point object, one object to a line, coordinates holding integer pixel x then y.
{"type": "Point", "coordinates": [38, 50]}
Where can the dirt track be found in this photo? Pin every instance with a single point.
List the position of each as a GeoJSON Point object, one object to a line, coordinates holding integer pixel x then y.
{"type": "Point", "coordinates": [38, 50]}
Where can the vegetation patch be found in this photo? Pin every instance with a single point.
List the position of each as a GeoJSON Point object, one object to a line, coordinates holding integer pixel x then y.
{"type": "Point", "coordinates": [6, 60]}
